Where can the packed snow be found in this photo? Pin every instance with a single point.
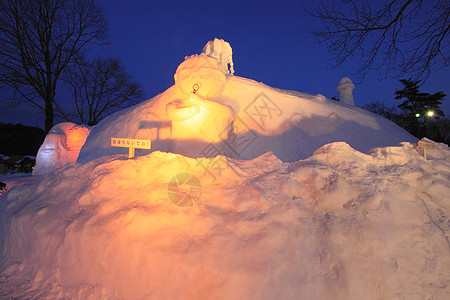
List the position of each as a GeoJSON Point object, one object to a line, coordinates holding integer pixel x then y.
{"type": "Point", "coordinates": [338, 225]}
{"type": "Point", "coordinates": [310, 199]}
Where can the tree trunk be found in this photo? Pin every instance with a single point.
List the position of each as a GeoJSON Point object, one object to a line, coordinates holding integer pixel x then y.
{"type": "Point", "coordinates": [49, 115]}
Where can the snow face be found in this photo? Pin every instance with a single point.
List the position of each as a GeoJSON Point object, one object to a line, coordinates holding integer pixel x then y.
{"type": "Point", "coordinates": [201, 75]}
{"type": "Point", "coordinates": [61, 146]}
{"type": "Point", "coordinates": [340, 224]}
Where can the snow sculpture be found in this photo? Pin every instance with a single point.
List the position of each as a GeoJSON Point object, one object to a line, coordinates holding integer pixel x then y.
{"type": "Point", "coordinates": [221, 50]}
{"type": "Point", "coordinates": [345, 90]}
{"type": "Point", "coordinates": [202, 73]}
{"type": "Point", "coordinates": [196, 121]}
{"type": "Point", "coordinates": [208, 112]}
{"type": "Point", "coordinates": [61, 146]}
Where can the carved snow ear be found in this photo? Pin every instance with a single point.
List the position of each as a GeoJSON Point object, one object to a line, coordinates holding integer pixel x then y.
{"type": "Point", "coordinates": [201, 75]}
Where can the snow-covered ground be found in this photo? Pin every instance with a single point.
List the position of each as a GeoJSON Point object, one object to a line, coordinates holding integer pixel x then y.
{"type": "Point", "coordinates": [338, 225]}
{"type": "Point", "coordinates": [248, 192]}
{"type": "Point", "coordinates": [15, 179]}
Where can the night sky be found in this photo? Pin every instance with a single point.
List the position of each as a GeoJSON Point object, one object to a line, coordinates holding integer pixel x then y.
{"type": "Point", "coordinates": [271, 43]}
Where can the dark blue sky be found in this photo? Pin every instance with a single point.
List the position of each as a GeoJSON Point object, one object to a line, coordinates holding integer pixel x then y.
{"type": "Point", "coordinates": [270, 40]}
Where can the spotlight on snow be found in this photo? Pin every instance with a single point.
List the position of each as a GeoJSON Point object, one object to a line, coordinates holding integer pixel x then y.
{"type": "Point", "coordinates": [197, 121]}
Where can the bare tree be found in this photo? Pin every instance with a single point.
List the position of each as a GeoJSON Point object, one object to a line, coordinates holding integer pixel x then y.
{"type": "Point", "coordinates": [382, 109]}
{"type": "Point", "coordinates": [100, 87]}
{"type": "Point", "coordinates": [38, 39]}
{"type": "Point", "coordinates": [410, 37]}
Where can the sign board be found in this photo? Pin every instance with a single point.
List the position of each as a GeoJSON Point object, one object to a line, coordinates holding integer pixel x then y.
{"type": "Point", "coordinates": [422, 147]}
{"type": "Point", "coordinates": [131, 144]}
{"type": "Point", "coordinates": [426, 145]}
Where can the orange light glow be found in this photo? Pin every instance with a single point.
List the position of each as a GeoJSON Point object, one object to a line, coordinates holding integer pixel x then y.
{"type": "Point", "coordinates": [180, 110]}
{"type": "Point", "coordinates": [76, 137]}
{"type": "Point", "coordinates": [198, 119]}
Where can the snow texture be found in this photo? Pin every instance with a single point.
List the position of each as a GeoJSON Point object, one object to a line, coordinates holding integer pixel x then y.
{"type": "Point", "coordinates": [340, 224]}
{"type": "Point", "coordinates": [61, 146]}
{"type": "Point", "coordinates": [221, 50]}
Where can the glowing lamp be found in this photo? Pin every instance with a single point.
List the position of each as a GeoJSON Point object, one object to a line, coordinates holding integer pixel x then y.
{"type": "Point", "coordinates": [195, 88]}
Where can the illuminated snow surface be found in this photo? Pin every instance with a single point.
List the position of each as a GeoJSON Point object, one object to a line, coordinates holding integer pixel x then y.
{"type": "Point", "coordinates": [207, 113]}
{"type": "Point", "coordinates": [338, 225]}
{"type": "Point", "coordinates": [249, 192]}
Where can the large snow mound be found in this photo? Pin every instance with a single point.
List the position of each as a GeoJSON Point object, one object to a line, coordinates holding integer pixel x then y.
{"type": "Point", "coordinates": [340, 224]}
{"type": "Point", "coordinates": [245, 120]}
